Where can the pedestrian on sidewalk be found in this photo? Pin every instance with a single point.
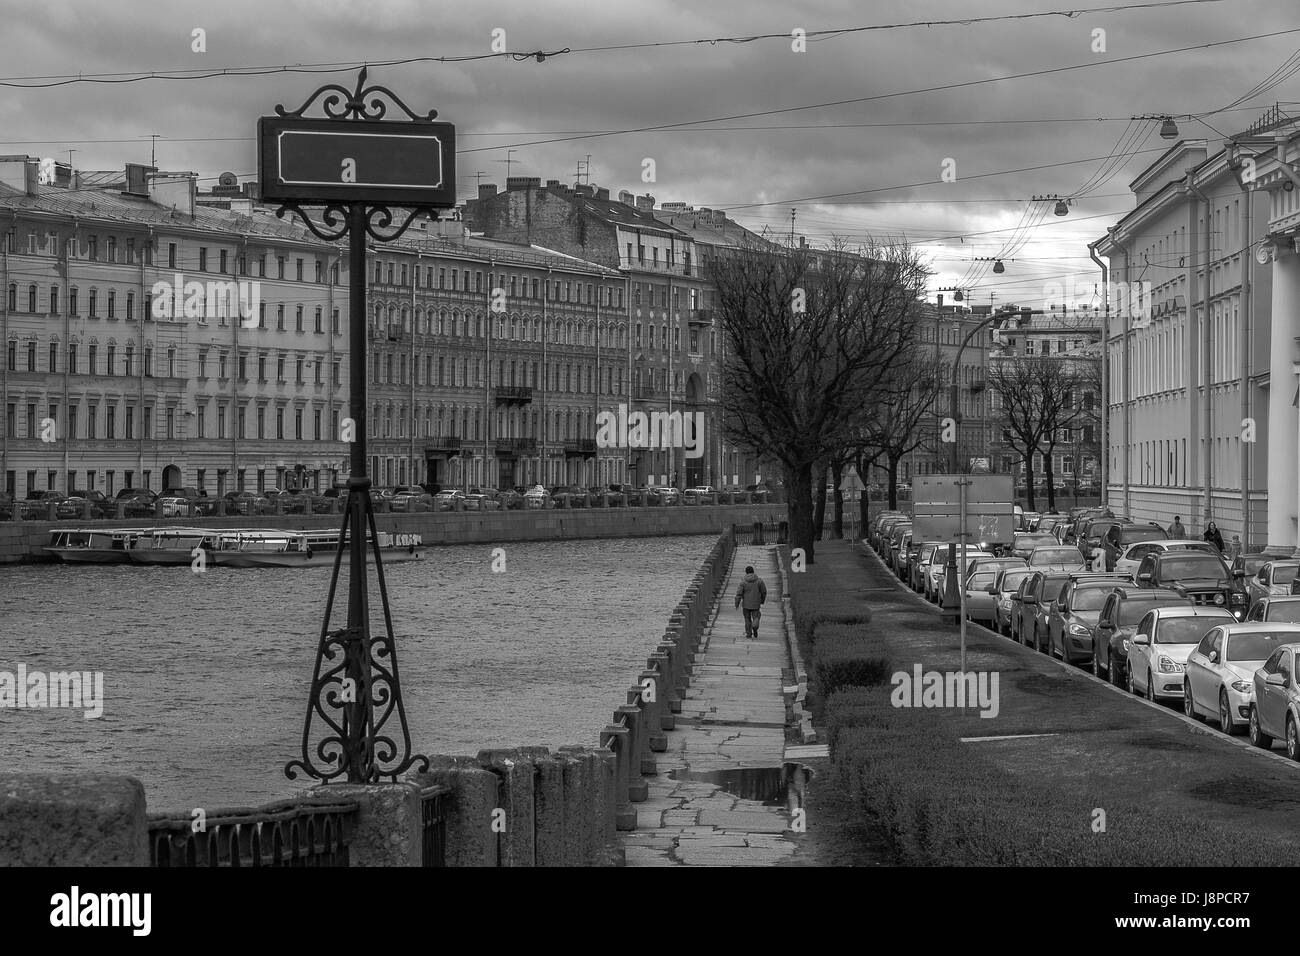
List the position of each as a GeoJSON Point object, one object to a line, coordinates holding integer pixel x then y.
{"type": "Point", "coordinates": [1176, 530]}
{"type": "Point", "coordinates": [752, 592]}
{"type": "Point", "coordinates": [1234, 549]}
{"type": "Point", "coordinates": [1213, 536]}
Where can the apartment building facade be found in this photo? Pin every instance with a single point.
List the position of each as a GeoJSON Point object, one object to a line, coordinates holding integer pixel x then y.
{"type": "Point", "coordinates": [236, 387]}
{"type": "Point", "coordinates": [1188, 349]}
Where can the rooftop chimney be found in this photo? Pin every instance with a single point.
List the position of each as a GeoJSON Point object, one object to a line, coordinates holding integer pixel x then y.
{"type": "Point", "coordinates": [673, 207]}
{"type": "Point", "coordinates": [137, 179]}
{"type": "Point", "coordinates": [522, 182]}
{"type": "Point", "coordinates": [602, 192]}
{"type": "Point", "coordinates": [645, 203]}
{"type": "Point", "coordinates": [552, 183]}
{"type": "Point", "coordinates": [174, 191]}
{"type": "Point", "coordinates": [625, 197]}
{"type": "Point", "coordinates": [20, 172]}
{"type": "Point", "coordinates": [487, 190]}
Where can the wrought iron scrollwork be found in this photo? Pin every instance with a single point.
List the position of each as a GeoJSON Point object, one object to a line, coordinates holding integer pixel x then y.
{"type": "Point", "coordinates": [377, 219]}
{"type": "Point", "coordinates": [362, 103]}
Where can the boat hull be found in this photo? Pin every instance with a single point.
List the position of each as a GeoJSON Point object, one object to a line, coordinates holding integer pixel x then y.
{"type": "Point", "coordinates": [316, 559]}
{"type": "Point", "coordinates": [91, 555]}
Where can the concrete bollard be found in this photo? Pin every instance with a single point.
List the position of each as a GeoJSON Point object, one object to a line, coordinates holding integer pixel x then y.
{"type": "Point", "coordinates": [681, 668]}
{"type": "Point", "coordinates": [641, 734]}
{"type": "Point", "coordinates": [389, 829]}
{"type": "Point", "coordinates": [279, 506]}
{"type": "Point", "coordinates": [73, 820]}
{"type": "Point", "coordinates": [516, 772]}
{"type": "Point", "coordinates": [473, 797]}
{"type": "Point", "coordinates": [551, 824]}
{"type": "Point", "coordinates": [662, 661]}
{"type": "Point", "coordinates": [583, 805]}
{"type": "Point", "coordinates": [221, 508]}
{"type": "Point", "coordinates": [617, 738]}
{"type": "Point", "coordinates": [656, 742]}
{"type": "Point", "coordinates": [638, 754]}
{"type": "Point", "coordinates": [86, 508]}
{"type": "Point", "coordinates": [52, 511]}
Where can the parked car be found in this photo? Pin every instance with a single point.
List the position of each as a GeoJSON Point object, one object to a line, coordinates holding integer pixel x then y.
{"type": "Point", "coordinates": [37, 505]}
{"type": "Point", "coordinates": [1276, 712]}
{"type": "Point", "coordinates": [138, 506]}
{"type": "Point", "coordinates": [1204, 578]}
{"type": "Point", "coordinates": [896, 535]}
{"type": "Point", "coordinates": [1048, 525]}
{"type": "Point", "coordinates": [881, 537]}
{"type": "Point", "coordinates": [410, 502]}
{"type": "Point", "coordinates": [1057, 557]}
{"type": "Point", "coordinates": [1283, 609]}
{"type": "Point", "coordinates": [246, 503]}
{"type": "Point", "coordinates": [700, 494]}
{"type": "Point", "coordinates": [1120, 536]}
{"type": "Point", "coordinates": [1040, 590]}
{"type": "Point", "coordinates": [1250, 563]}
{"type": "Point", "coordinates": [446, 500]}
{"type": "Point", "coordinates": [1072, 620]}
{"type": "Point", "coordinates": [1023, 542]}
{"type": "Point", "coordinates": [135, 493]}
{"type": "Point", "coordinates": [668, 495]}
{"type": "Point", "coordinates": [1088, 534]}
{"type": "Point", "coordinates": [1123, 608]}
{"type": "Point", "coordinates": [933, 555]}
{"type": "Point", "coordinates": [73, 506]}
{"type": "Point", "coordinates": [1158, 652]}
{"type": "Point", "coordinates": [7, 507]}
{"type": "Point", "coordinates": [1275, 577]}
{"type": "Point", "coordinates": [1006, 589]}
{"type": "Point", "coordinates": [981, 590]}
{"type": "Point", "coordinates": [1132, 556]}
{"type": "Point", "coordinates": [1220, 676]}
{"type": "Point", "coordinates": [535, 497]}
{"type": "Point", "coordinates": [941, 581]}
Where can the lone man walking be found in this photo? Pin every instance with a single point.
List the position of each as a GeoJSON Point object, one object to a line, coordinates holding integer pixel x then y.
{"type": "Point", "coordinates": [1176, 530]}
{"type": "Point", "coordinates": [752, 593]}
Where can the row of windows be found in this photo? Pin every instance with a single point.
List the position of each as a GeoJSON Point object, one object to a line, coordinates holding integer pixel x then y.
{"type": "Point", "coordinates": [467, 424]}
{"type": "Point", "coordinates": [92, 365]}
{"type": "Point", "coordinates": [458, 280]}
{"type": "Point", "coordinates": [125, 253]}
{"type": "Point", "coordinates": [91, 425]}
{"type": "Point", "coordinates": [316, 363]}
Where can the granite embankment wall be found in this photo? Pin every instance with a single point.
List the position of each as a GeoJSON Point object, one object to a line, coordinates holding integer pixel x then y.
{"type": "Point", "coordinates": [23, 540]}
{"type": "Point", "coordinates": [524, 806]}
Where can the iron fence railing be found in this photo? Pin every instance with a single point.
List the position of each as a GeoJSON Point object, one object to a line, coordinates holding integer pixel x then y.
{"type": "Point", "coordinates": [287, 833]}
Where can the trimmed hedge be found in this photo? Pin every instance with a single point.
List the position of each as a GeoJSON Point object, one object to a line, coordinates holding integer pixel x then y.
{"type": "Point", "coordinates": [848, 655]}
{"type": "Point", "coordinates": [939, 802]}
{"type": "Point", "coordinates": [821, 595]}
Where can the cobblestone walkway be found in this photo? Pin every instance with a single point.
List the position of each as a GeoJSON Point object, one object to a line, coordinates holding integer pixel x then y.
{"type": "Point", "coordinates": [733, 718]}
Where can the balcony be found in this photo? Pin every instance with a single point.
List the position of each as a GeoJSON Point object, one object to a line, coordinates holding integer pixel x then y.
{"type": "Point", "coordinates": [512, 395]}
{"type": "Point", "coordinates": [700, 318]}
{"type": "Point", "coordinates": [580, 448]}
{"type": "Point", "coordinates": [442, 444]}
{"type": "Point", "coordinates": [515, 447]}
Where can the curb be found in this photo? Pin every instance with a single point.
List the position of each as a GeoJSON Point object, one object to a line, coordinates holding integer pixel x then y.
{"type": "Point", "coordinates": [798, 694]}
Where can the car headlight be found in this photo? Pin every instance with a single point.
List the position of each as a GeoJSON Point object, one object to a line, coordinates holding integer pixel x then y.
{"type": "Point", "coordinates": [1242, 686]}
{"type": "Point", "coordinates": [1125, 644]}
{"type": "Point", "coordinates": [1079, 629]}
{"type": "Point", "coordinates": [1168, 666]}
{"type": "Point", "coordinates": [1218, 598]}
{"type": "Point", "coordinates": [1237, 598]}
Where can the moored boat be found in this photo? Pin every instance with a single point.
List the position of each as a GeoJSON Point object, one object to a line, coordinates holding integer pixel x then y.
{"type": "Point", "coordinates": [173, 546]}
{"type": "Point", "coordinates": [93, 545]}
{"type": "Point", "coordinates": [297, 549]}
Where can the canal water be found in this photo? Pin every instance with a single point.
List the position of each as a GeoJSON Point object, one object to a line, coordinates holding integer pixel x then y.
{"type": "Point", "coordinates": [206, 675]}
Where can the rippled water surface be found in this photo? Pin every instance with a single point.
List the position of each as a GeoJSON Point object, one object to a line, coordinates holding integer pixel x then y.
{"type": "Point", "coordinates": [206, 675]}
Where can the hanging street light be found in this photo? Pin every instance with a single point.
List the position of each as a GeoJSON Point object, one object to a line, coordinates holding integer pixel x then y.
{"type": "Point", "coordinates": [998, 267]}
{"type": "Point", "coordinates": [1061, 208]}
{"type": "Point", "coordinates": [1168, 128]}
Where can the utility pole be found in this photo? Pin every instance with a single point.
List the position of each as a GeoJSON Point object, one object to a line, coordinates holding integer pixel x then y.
{"type": "Point", "coordinates": [508, 161]}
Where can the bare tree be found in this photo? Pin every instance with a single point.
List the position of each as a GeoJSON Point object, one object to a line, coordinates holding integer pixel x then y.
{"type": "Point", "coordinates": [811, 334]}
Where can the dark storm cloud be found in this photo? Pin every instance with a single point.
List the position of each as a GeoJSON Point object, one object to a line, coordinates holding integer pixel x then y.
{"type": "Point", "coordinates": [623, 89]}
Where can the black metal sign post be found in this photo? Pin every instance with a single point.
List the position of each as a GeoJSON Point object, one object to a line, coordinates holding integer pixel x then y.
{"type": "Point", "coordinates": [356, 165]}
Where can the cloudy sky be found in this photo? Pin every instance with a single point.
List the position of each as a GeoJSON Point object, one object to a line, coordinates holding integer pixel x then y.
{"type": "Point", "coordinates": [758, 129]}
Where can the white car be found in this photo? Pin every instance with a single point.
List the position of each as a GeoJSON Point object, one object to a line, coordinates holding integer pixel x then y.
{"type": "Point", "coordinates": [175, 507]}
{"type": "Point", "coordinates": [1165, 638]}
{"type": "Point", "coordinates": [1132, 556]}
{"type": "Point", "coordinates": [667, 496]}
{"type": "Point", "coordinates": [535, 497]}
{"type": "Point", "coordinates": [1274, 578]}
{"type": "Point", "coordinates": [1276, 713]}
{"type": "Point", "coordinates": [1220, 676]}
